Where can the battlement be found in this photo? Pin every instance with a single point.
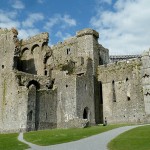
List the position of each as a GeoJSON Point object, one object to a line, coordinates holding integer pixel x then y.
{"type": "Point", "coordinates": [87, 32]}
{"type": "Point", "coordinates": [37, 38]}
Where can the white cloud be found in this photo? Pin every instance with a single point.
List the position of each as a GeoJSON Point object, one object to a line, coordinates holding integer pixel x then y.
{"type": "Point", "coordinates": [8, 20]}
{"type": "Point", "coordinates": [32, 19]}
{"type": "Point", "coordinates": [62, 36]}
{"type": "Point", "coordinates": [26, 33]}
{"type": "Point", "coordinates": [69, 21]}
{"type": "Point", "coordinates": [125, 30]}
{"type": "Point", "coordinates": [18, 4]}
{"type": "Point", "coordinates": [64, 21]}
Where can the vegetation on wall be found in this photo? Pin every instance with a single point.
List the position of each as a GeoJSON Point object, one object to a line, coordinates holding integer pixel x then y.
{"type": "Point", "coordinates": [68, 67]}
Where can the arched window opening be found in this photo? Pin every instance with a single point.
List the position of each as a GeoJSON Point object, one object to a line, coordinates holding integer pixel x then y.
{"type": "Point", "coordinates": [25, 49]}
{"type": "Point", "coordinates": [44, 45]}
{"type": "Point", "coordinates": [34, 82]}
{"type": "Point", "coordinates": [33, 47]}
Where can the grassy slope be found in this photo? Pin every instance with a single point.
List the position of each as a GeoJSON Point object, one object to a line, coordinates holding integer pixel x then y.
{"type": "Point", "coordinates": [56, 136]}
{"type": "Point", "coordinates": [135, 139]}
{"type": "Point", "coordinates": [10, 142]}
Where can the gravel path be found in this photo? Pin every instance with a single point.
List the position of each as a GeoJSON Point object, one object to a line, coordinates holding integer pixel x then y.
{"type": "Point", "coordinates": [96, 142]}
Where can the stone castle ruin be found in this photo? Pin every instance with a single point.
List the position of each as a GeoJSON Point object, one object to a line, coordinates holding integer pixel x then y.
{"type": "Point", "coordinates": [70, 84]}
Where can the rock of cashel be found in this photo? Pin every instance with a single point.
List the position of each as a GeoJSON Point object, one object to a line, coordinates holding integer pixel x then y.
{"type": "Point", "coordinates": [70, 84]}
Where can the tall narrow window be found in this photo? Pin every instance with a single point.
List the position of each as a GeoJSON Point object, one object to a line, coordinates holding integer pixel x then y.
{"type": "Point", "coordinates": [45, 72]}
{"type": "Point", "coordinates": [128, 88]}
{"type": "Point", "coordinates": [68, 50]}
{"type": "Point", "coordinates": [101, 93]}
{"type": "Point", "coordinates": [46, 115]}
{"type": "Point", "coordinates": [113, 91]}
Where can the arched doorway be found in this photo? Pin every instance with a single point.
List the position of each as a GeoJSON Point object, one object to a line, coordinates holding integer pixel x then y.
{"type": "Point", "coordinates": [33, 106]}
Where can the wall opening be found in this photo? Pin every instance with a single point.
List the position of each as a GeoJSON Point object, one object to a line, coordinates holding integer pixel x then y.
{"type": "Point", "coordinates": [45, 72]}
{"type": "Point", "coordinates": [27, 62]}
{"type": "Point", "coordinates": [113, 91]}
{"type": "Point", "coordinates": [34, 82]}
{"type": "Point", "coordinates": [82, 61]}
{"type": "Point", "coordinates": [30, 115]}
{"type": "Point", "coordinates": [101, 92]}
{"type": "Point", "coordinates": [2, 66]}
{"type": "Point", "coordinates": [33, 47]}
{"type": "Point", "coordinates": [46, 115]}
{"type": "Point", "coordinates": [85, 113]}
{"type": "Point", "coordinates": [68, 50]}
{"type": "Point", "coordinates": [128, 98]}
{"type": "Point", "coordinates": [85, 87]}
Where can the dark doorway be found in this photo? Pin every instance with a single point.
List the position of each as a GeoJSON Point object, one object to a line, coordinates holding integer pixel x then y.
{"type": "Point", "coordinates": [85, 113]}
{"type": "Point", "coordinates": [33, 106]}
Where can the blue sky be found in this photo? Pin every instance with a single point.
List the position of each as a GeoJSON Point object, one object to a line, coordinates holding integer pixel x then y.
{"type": "Point", "coordinates": [123, 24]}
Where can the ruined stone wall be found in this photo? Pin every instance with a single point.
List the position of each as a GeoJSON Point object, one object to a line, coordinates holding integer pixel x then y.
{"type": "Point", "coordinates": [66, 98]}
{"type": "Point", "coordinates": [64, 51]}
{"type": "Point", "coordinates": [122, 91]}
{"type": "Point", "coordinates": [47, 109]}
{"type": "Point", "coordinates": [104, 55]}
{"type": "Point", "coordinates": [13, 98]}
{"type": "Point", "coordinates": [34, 52]}
{"type": "Point", "coordinates": [78, 49]}
{"type": "Point", "coordinates": [7, 49]}
{"type": "Point", "coordinates": [13, 104]}
{"type": "Point", "coordinates": [146, 82]}
{"type": "Point", "coordinates": [41, 101]}
{"type": "Point", "coordinates": [85, 98]}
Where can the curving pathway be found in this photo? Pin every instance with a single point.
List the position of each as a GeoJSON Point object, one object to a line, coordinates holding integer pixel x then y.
{"type": "Point", "coordinates": [96, 142]}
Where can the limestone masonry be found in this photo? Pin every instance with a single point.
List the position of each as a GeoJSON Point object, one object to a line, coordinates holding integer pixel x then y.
{"type": "Point", "coordinates": [72, 84]}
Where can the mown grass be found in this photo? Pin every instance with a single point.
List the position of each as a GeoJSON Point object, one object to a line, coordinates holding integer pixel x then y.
{"type": "Point", "coordinates": [57, 136]}
{"type": "Point", "coordinates": [10, 142]}
{"type": "Point", "coordinates": [135, 139]}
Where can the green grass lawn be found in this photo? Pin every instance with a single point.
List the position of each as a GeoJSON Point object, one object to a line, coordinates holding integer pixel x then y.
{"type": "Point", "coordinates": [135, 139]}
{"type": "Point", "coordinates": [57, 136]}
{"type": "Point", "coordinates": [10, 142]}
